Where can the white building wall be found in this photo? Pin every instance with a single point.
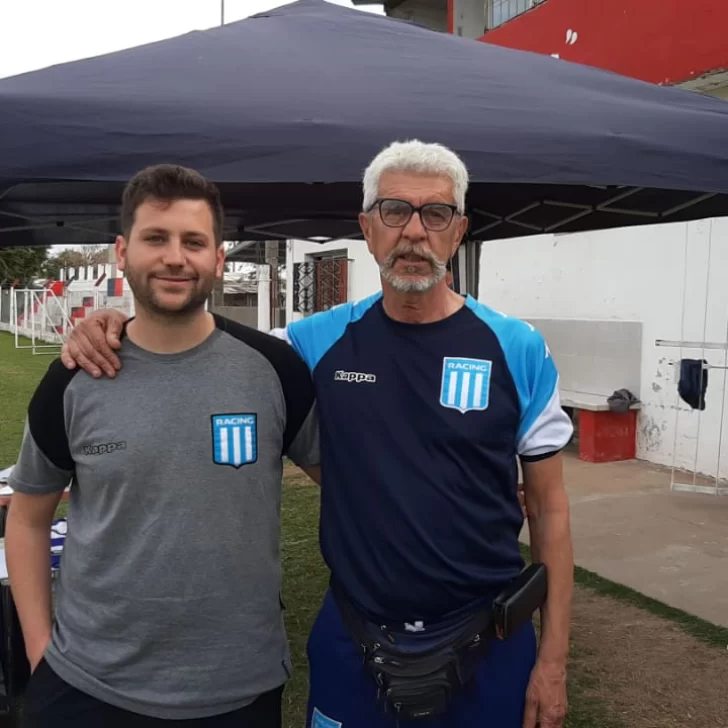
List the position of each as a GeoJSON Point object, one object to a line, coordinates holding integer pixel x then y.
{"type": "Point", "coordinates": [672, 278]}
{"type": "Point", "coordinates": [363, 271]}
{"type": "Point", "coordinates": [468, 18]}
{"type": "Point", "coordinates": [424, 12]}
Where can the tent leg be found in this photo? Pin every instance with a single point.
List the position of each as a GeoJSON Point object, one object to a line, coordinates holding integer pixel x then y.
{"type": "Point", "coordinates": [466, 268]}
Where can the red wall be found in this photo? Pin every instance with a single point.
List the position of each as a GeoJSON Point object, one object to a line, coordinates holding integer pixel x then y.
{"type": "Point", "coordinates": [661, 41]}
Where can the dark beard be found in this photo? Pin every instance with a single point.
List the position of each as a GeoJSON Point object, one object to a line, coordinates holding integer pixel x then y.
{"type": "Point", "coordinates": [141, 287]}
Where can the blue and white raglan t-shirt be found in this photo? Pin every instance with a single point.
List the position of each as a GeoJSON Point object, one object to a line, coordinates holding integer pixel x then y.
{"type": "Point", "coordinates": [421, 429]}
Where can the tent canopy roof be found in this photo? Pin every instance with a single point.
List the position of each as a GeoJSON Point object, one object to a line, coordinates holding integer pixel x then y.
{"type": "Point", "coordinates": [285, 109]}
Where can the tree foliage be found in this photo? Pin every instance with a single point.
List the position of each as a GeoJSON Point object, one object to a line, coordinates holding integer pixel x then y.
{"type": "Point", "coordinates": [75, 258]}
{"type": "Point", "coordinates": [22, 265]}
{"type": "Point", "coordinates": [25, 264]}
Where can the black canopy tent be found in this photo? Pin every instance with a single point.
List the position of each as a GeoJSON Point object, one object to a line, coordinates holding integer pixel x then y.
{"type": "Point", "coordinates": [285, 109]}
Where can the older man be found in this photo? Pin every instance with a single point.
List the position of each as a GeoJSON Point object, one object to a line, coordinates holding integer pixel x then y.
{"type": "Point", "coordinates": [427, 401]}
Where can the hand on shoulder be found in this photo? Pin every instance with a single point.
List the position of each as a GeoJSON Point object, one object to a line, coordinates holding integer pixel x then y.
{"type": "Point", "coordinates": [92, 342]}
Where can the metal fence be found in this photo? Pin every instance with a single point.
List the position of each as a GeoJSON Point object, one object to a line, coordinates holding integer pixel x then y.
{"type": "Point", "coordinates": [319, 285]}
{"type": "Point", "coordinates": [43, 317]}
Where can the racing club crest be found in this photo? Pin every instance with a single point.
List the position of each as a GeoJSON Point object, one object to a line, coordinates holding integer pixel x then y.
{"type": "Point", "coordinates": [319, 720]}
{"type": "Point", "coordinates": [234, 439]}
{"type": "Point", "coordinates": [465, 383]}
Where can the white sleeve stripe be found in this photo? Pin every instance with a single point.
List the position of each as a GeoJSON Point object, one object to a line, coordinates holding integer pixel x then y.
{"type": "Point", "coordinates": [550, 432]}
{"type": "Point", "coordinates": [281, 334]}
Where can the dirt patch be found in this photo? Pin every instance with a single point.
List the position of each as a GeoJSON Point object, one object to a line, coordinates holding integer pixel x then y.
{"type": "Point", "coordinates": [644, 669]}
{"type": "Point", "coordinates": [293, 476]}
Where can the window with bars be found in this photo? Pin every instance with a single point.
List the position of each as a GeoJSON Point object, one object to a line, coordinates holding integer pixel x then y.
{"type": "Point", "coordinates": [320, 284]}
{"type": "Point", "coordinates": [501, 11]}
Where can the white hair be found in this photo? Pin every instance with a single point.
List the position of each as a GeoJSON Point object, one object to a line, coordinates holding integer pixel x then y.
{"type": "Point", "coordinates": [419, 158]}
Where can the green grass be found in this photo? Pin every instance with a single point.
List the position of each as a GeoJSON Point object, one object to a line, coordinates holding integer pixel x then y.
{"type": "Point", "coordinates": [304, 584]}
{"type": "Point", "coordinates": [20, 372]}
{"type": "Point", "coordinates": [701, 629]}
{"type": "Point", "coordinates": [707, 632]}
{"type": "Point", "coordinates": [585, 709]}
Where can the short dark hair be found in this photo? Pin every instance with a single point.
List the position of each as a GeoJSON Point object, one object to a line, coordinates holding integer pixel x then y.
{"type": "Point", "coordinates": [169, 183]}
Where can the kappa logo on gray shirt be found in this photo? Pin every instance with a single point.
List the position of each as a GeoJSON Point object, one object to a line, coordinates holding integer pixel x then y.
{"type": "Point", "coordinates": [104, 449]}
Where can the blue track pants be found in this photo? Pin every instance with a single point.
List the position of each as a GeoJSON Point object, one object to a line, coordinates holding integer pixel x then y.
{"type": "Point", "coordinates": [343, 693]}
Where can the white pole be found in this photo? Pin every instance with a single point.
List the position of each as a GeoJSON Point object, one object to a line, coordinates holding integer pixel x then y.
{"type": "Point", "coordinates": [26, 310]}
{"type": "Point", "coordinates": [264, 298]}
{"type": "Point", "coordinates": [14, 314]}
{"type": "Point", "coordinates": [32, 320]}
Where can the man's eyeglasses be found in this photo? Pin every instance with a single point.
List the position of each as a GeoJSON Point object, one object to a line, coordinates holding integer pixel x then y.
{"type": "Point", "coordinates": [435, 216]}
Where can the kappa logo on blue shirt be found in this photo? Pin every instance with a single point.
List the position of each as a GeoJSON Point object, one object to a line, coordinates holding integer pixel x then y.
{"type": "Point", "coordinates": [234, 439]}
{"type": "Point", "coordinates": [465, 383]}
{"type": "Point", "coordinates": [319, 720]}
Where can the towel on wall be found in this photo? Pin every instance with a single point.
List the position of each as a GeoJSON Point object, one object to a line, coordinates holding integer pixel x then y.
{"type": "Point", "coordinates": [693, 382]}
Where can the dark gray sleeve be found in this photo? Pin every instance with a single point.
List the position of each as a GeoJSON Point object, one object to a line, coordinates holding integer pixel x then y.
{"type": "Point", "coordinates": [304, 449]}
{"type": "Point", "coordinates": [45, 464]}
{"type": "Point", "coordinates": [34, 473]}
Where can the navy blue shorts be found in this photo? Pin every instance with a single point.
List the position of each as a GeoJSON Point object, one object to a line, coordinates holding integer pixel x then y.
{"type": "Point", "coordinates": [343, 693]}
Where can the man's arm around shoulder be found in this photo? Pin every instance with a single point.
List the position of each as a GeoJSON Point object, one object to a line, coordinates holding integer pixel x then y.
{"type": "Point", "coordinates": [93, 341]}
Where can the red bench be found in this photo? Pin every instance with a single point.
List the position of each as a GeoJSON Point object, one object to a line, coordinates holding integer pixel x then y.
{"type": "Point", "coordinates": [604, 436]}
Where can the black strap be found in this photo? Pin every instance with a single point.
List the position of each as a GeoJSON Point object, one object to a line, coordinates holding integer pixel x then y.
{"type": "Point", "coordinates": [480, 627]}
{"type": "Point", "coordinates": [352, 620]}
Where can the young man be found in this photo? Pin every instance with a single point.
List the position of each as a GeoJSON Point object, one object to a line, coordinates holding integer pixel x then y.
{"type": "Point", "coordinates": [168, 606]}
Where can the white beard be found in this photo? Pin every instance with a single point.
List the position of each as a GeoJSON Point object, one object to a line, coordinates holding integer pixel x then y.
{"type": "Point", "coordinates": [413, 283]}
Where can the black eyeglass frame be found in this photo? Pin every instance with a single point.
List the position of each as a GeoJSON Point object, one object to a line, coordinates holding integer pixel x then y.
{"type": "Point", "coordinates": [415, 209]}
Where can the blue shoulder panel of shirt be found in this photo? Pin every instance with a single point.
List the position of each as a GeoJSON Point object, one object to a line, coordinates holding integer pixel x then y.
{"type": "Point", "coordinates": [314, 335]}
{"type": "Point", "coordinates": [527, 355]}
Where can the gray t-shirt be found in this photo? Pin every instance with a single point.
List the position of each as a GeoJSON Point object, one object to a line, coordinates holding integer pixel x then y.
{"type": "Point", "coordinates": [169, 600]}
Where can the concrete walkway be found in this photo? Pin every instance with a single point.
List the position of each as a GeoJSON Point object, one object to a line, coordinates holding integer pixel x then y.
{"type": "Point", "coordinates": [629, 527]}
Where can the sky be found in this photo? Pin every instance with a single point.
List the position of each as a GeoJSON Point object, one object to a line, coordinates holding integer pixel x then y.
{"type": "Point", "coordinates": [39, 33]}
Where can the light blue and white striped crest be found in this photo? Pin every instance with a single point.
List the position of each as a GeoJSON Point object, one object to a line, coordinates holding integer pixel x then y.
{"type": "Point", "coordinates": [235, 439]}
{"type": "Point", "coordinates": [319, 720]}
{"type": "Point", "coordinates": [465, 383]}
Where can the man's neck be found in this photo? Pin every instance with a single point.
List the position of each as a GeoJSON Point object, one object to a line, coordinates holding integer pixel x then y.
{"type": "Point", "coordinates": [437, 304]}
{"type": "Point", "coordinates": [168, 334]}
